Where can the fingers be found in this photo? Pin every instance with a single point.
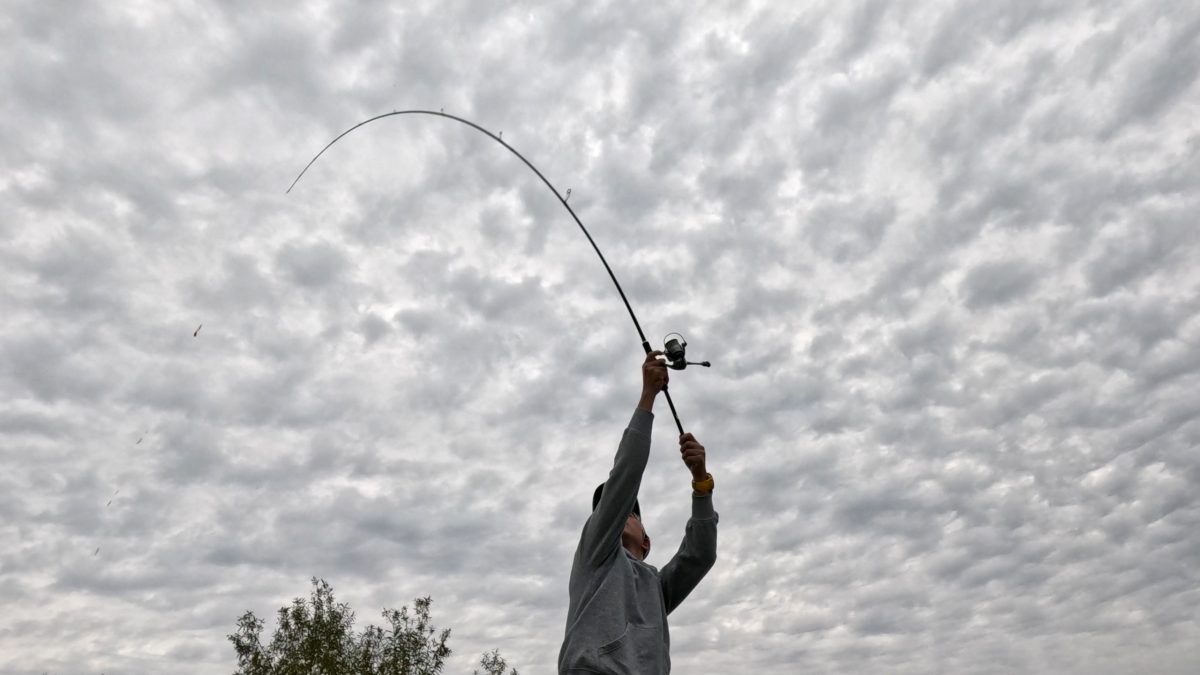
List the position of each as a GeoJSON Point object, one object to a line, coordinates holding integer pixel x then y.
{"type": "Point", "coordinates": [654, 372]}
{"type": "Point", "coordinates": [690, 448]}
{"type": "Point", "coordinates": [695, 464]}
{"type": "Point", "coordinates": [692, 453]}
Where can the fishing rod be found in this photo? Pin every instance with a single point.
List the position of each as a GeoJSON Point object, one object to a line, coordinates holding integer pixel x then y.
{"type": "Point", "coordinates": [674, 350]}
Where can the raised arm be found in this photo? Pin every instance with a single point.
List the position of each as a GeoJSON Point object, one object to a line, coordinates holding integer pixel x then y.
{"type": "Point", "coordinates": [602, 533]}
{"type": "Point", "coordinates": [698, 551]}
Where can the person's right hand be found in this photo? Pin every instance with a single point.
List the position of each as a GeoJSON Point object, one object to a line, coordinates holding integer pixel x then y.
{"type": "Point", "coordinates": [654, 378]}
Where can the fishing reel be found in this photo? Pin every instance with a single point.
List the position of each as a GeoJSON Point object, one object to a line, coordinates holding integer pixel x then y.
{"type": "Point", "coordinates": [676, 353]}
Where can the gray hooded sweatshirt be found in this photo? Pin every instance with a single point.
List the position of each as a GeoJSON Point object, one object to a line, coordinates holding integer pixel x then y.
{"type": "Point", "coordinates": [617, 616]}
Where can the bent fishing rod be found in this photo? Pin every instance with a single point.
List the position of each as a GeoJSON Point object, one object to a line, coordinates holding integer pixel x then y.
{"type": "Point", "coordinates": [674, 350]}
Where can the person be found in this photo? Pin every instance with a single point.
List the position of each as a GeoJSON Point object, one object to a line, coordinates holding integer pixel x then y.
{"type": "Point", "coordinates": [618, 604]}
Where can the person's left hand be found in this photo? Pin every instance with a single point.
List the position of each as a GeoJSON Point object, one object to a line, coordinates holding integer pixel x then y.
{"type": "Point", "coordinates": [693, 456]}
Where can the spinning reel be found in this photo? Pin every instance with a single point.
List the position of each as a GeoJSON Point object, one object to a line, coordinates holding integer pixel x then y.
{"type": "Point", "coordinates": [676, 353]}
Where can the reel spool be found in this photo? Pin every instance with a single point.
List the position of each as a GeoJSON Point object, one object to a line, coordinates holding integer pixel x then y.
{"type": "Point", "coordinates": [676, 353]}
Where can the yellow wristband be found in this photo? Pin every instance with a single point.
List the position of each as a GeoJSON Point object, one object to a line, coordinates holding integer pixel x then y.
{"type": "Point", "coordinates": [704, 486]}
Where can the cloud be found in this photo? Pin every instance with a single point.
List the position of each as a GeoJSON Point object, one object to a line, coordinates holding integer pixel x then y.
{"type": "Point", "coordinates": [939, 257]}
{"type": "Point", "coordinates": [312, 265]}
{"type": "Point", "coordinates": [1160, 70]}
{"type": "Point", "coordinates": [998, 282]}
{"type": "Point", "coordinates": [1124, 258]}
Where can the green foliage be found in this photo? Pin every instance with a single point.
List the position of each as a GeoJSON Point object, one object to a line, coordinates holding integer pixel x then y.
{"type": "Point", "coordinates": [494, 664]}
{"type": "Point", "coordinates": [317, 638]}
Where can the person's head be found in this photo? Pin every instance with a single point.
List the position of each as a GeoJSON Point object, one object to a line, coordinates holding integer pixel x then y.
{"type": "Point", "coordinates": [633, 536]}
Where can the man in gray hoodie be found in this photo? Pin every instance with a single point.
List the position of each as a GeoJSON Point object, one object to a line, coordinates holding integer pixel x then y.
{"type": "Point", "coordinates": [617, 615]}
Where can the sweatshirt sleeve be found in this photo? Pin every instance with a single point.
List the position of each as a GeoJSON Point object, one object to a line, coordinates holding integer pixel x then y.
{"type": "Point", "coordinates": [602, 533]}
{"type": "Point", "coordinates": [696, 555]}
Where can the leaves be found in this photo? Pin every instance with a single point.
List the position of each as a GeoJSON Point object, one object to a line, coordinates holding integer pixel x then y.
{"type": "Point", "coordinates": [316, 637]}
{"type": "Point", "coordinates": [494, 664]}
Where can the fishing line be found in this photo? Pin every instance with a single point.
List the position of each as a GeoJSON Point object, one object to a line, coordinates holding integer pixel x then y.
{"type": "Point", "coordinates": [674, 352]}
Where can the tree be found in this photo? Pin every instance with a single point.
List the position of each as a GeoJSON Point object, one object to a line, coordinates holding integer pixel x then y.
{"type": "Point", "coordinates": [494, 664]}
{"type": "Point", "coordinates": [317, 638]}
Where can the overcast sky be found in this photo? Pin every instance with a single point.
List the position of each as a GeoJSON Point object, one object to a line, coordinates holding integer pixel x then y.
{"type": "Point", "coordinates": [942, 256]}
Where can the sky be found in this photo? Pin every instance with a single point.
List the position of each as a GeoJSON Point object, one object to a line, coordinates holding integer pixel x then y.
{"type": "Point", "coordinates": [941, 256]}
